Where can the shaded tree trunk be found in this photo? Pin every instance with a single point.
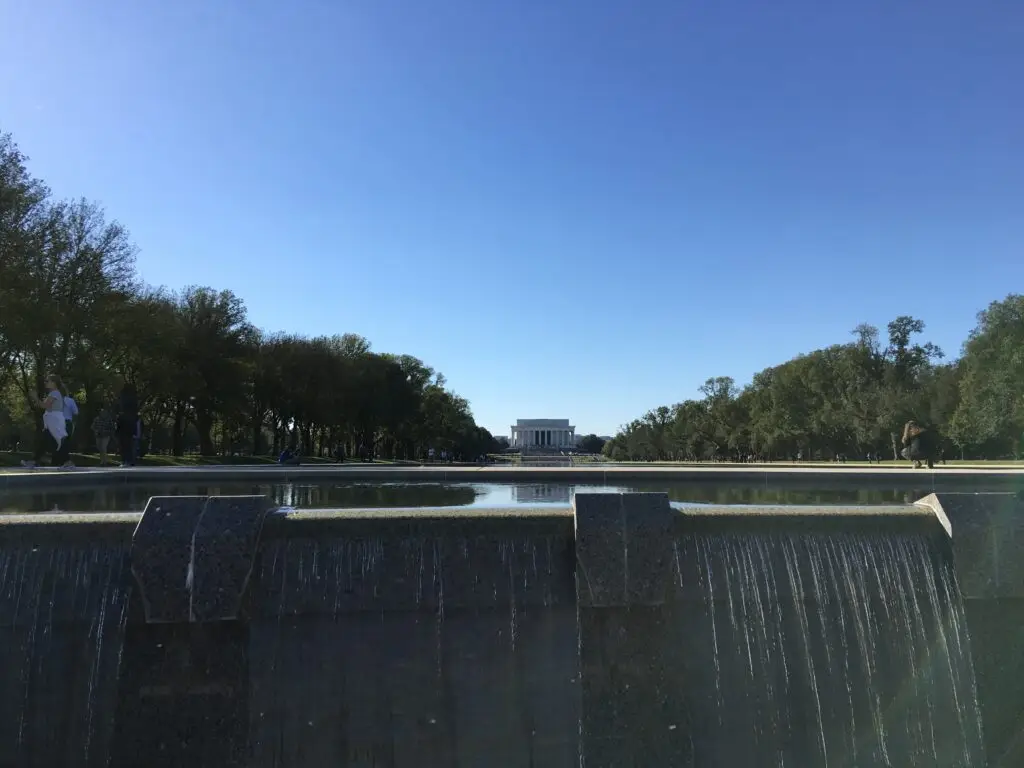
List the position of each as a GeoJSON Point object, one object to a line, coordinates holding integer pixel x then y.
{"type": "Point", "coordinates": [257, 435]}
{"type": "Point", "coordinates": [204, 425]}
{"type": "Point", "coordinates": [178, 429]}
{"type": "Point", "coordinates": [278, 438]}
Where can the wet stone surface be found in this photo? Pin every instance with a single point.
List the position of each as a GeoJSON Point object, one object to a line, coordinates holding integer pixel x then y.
{"type": "Point", "coordinates": [161, 555]}
{"type": "Point", "coordinates": [224, 547]}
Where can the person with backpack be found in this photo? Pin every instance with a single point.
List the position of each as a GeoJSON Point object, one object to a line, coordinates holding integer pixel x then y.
{"type": "Point", "coordinates": [103, 428]}
{"type": "Point", "coordinates": [70, 414]}
{"type": "Point", "coordinates": [139, 451]}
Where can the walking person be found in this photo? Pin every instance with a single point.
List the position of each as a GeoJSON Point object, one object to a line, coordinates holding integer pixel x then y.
{"type": "Point", "coordinates": [139, 452]}
{"type": "Point", "coordinates": [53, 435]}
{"type": "Point", "coordinates": [103, 428]}
{"type": "Point", "coordinates": [70, 414]}
{"type": "Point", "coordinates": [127, 423]}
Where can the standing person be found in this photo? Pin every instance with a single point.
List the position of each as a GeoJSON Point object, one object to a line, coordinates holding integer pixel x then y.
{"type": "Point", "coordinates": [139, 453]}
{"type": "Point", "coordinates": [53, 436]}
{"type": "Point", "coordinates": [919, 444]}
{"type": "Point", "coordinates": [127, 422]}
{"type": "Point", "coordinates": [70, 414]}
{"type": "Point", "coordinates": [103, 428]}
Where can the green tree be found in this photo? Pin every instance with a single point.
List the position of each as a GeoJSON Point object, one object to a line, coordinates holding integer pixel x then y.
{"type": "Point", "coordinates": [71, 302]}
{"type": "Point", "coordinates": [591, 444]}
{"type": "Point", "coordinates": [210, 345]}
{"type": "Point", "coordinates": [847, 399]}
{"type": "Point", "coordinates": [990, 413]}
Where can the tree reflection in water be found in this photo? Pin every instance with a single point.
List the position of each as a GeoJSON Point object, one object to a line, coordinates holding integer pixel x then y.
{"type": "Point", "coordinates": [368, 495]}
{"type": "Point", "coordinates": [319, 495]}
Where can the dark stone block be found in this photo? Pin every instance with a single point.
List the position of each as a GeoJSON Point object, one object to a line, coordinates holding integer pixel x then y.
{"type": "Point", "coordinates": [183, 696]}
{"type": "Point", "coordinates": [987, 535]}
{"type": "Point", "coordinates": [192, 555]}
{"type": "Point", "coordinates": [161, 554]}
{"type": "Point", "coordinates": [997, 636]}
{"type": "Point", "coordinates": [402, 690]}
{"type": "Point", "coordinates": [634, 701]}
{"type": "Point", "coordinates": [63, 612]}
{"type": "Point", "coordinates": [623, 548]}
{"type": "Point", "coordinates": [224, 546]}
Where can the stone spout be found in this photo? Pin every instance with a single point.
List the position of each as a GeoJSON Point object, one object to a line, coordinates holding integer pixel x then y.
{"type": "Point", "coordinates": [192, 555]}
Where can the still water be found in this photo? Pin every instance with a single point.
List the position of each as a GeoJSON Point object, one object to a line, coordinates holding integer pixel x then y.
{"type": "Point", "coordinates": [327, 495]}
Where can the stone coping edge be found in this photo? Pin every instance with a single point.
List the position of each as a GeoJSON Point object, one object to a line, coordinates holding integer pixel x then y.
{"type": "Point", "coordinates": [47, 479]}
{"type": "Point", "coordinates": [926, 506]}
{"type": "Point", "coordinates": [287, 523]}
{"type": "Point", "coordinates": [932, 504]}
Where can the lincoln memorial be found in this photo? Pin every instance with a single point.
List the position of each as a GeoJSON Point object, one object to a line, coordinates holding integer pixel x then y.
{"type": "Point", "coordinates": [543, 433]}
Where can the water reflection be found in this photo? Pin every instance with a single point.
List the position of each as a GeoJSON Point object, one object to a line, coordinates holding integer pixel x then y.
{"type": "Point", "coordinates": [540, 494]}
{"type": "Point", "coordinates": [362, 495]}
{"type": "Point", "coordinates": [308, 495]}
{"type": "Point", "coordinates": [733, 494]}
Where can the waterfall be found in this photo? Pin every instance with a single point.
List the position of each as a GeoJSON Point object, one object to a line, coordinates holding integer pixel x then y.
{"type": "Point", "coordinates": [415, 648]}
{"type": "Point", "coordinates": [63, 609]}
{"type": "Point", "coordinates": [826, 650]}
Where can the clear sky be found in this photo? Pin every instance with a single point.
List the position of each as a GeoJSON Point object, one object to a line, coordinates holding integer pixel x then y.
{"type": "Point", "coordinates": [572, 208]}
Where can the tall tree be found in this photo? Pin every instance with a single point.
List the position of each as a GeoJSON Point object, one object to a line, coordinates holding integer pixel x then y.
{"type": "Point", "coordinates": [991, 408]}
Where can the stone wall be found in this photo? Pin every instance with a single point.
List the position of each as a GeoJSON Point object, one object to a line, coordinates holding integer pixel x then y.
{"type": "Point", "coordinates": [628, 633]}
{"type": "Point", "coordinates": [988, 537]}
{"type": "Point", "coordinates": [415, 641]}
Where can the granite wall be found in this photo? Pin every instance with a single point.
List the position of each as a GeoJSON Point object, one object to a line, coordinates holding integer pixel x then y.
{"type": "Point", "coordinates": [627, 633]}
{"type": "Point", "coordinates": [988, 538]}
{"type": "Point", "coordinates": [64, 598]}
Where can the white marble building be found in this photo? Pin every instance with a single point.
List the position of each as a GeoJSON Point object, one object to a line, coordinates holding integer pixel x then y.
{"type": "Point", "coordinates": [543, 433]}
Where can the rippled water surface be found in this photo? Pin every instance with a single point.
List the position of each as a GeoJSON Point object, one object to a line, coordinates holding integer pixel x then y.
{"type": "Point", "coordinates": [350, 494]}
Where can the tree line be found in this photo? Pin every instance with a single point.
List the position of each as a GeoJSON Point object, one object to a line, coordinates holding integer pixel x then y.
{"type": "Point", "coordinates": [208, 380]}
{"type": "Point", "coordinates": [852, 401]}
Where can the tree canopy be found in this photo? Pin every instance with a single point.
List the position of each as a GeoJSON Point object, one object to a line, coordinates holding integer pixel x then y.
{"type": "Point", "coordinates": [590, 444]}
{"type": "Point", "coordinates": [853, 399]}
{"type": "Point", "coordinates": [72, 303]}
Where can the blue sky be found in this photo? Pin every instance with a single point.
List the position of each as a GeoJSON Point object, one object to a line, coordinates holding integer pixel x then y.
{"type": "Point", "coordinates": [572, 209]}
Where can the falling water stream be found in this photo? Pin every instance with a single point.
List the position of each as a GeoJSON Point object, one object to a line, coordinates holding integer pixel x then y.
{"type": "Point", "coordinates": [63, 612]}
{"type": "Point", "coordinates": [831, 650]}
{"type": "Point", "coordinates": [427, 650]}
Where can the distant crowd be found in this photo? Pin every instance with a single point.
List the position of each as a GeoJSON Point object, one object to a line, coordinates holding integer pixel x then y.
{"type": "Point", "coordinates": [292, 456]}
{"type": "Point", "coordinates": [117, 422]}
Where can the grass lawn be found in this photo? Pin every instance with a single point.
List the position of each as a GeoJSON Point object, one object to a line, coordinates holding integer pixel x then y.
{"type": "Point", "coordinates": [14, 459]}
{"type": "Point", "coordinates": [889, 463]}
